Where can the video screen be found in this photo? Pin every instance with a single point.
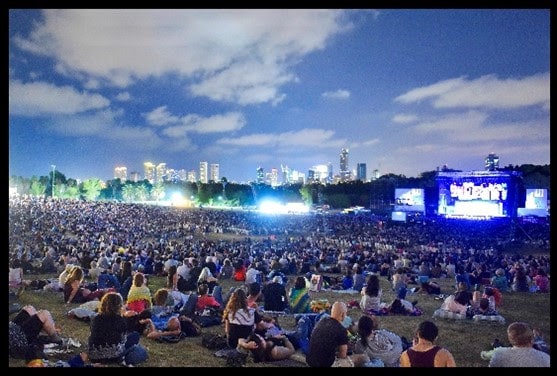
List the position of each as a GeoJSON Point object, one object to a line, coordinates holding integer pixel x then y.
{"type": "Point", "coordinates": [460, 195]}
{"type": "Point", "coordinates": [398, 216]}
{"type": "Point", "coordinates": [409, 199]}
{"type": "Point", "coordinates": [536, 199]}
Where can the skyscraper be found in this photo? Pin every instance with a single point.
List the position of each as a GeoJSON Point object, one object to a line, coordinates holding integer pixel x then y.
{"type": "Point", "coordinates": [160, 172]}
{"type": "Point", "coordinates": [344, 170]}
{"type": "Point", "coordinates": [121, 173]}
{"type": "Point", "coordinates": [149, 172]}
{"type": "Point", "coordinates": [274, 177]}
{"type": "Point", "coordinates": [214, 172]}
{"type": "Point", "coordinates": [203, 172]}
{"type": "Point", "coordinates": [361, 172]}
{"type": "Point", "coordinates": [260, 176]}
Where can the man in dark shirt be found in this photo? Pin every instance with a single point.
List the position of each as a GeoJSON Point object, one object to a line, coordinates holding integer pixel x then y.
{"type": "Point", "coordinates": [328, 343]}
{"type": "Point", "coordinates": [274, 296]}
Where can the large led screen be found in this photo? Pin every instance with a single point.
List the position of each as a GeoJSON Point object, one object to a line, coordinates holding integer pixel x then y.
{"type": "Point", "coordinates": [409, 199]}
{"type": "Point", "coordinates": [480, 194]}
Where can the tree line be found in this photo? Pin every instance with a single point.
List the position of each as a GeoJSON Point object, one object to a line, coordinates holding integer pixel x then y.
{"type": "Point", "coordinates": [377, 194]}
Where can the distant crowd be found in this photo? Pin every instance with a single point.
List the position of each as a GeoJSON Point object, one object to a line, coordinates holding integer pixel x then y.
{"type": "Point", "coordinates": [46, 234]}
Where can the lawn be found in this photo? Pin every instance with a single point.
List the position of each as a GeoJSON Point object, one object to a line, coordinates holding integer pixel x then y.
{"type": "Point", "coordinates": [464, 338]}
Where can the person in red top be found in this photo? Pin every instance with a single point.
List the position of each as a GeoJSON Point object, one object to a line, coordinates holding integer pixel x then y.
{"type": "Point", "coordinates": [205, 300]}
{"type": "Point", "coordinates": [239, 272]}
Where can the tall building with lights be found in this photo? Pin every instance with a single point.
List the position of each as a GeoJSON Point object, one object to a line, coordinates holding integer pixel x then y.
{"type": "Point", "coordinates": [344, 169]}
{"type": "Point", "coordinates": [121, 173]}
{"type": "Point", "coordinates": [214, 175]}
{"type": "Point", "coordinates": [361, 172]}
{"type": "Point", "coordinates": [285, 174]}
{"type": "Point", "coordinates": [273, 177]}
{"type": "Point", "coordinates": [161, 171]}
{"type": "Point", "coordinates": [491, 162]}
{"type": "Point", "coordinates": [260, 175]}
{"type": "Point", "coordinates": [135, 176]}
{"type": "Point", "coordinates": [192, 176]}
{"type": "Point", "coordinates": [203, 172]}
{"type": "Point", "coordinates": [149, 172]}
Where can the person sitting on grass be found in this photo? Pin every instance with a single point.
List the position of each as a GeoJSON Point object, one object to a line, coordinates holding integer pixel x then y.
{"type": "Point", "coordinates": [204, 300]}
{"type": "Point", "coordinates": [299, 296]}
{"type": "Point", "coordinates": [424, 353]}
{"type": "Point", "coordinates": [75, 293]}
{"type": "Point", "coordinates": [380, 345]}
{"type": "Point", "coordinates": [109, 340]}
{"type": "Point", "coordinates": [239, 319]}
{"type": "Point", "coordinates": [370, 302]}
{"type": "Point", "coordinates": [484, 309]}
{"type": "Point", "coordinates": [27, 328]}
{"type": "Point", "coordinates": [139, 296]}
{"type": "Point", "coordinates": [522, 353]}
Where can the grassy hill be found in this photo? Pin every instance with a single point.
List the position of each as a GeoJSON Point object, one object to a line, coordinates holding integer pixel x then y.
{"type": "Point", "coordinates": [464, 338]}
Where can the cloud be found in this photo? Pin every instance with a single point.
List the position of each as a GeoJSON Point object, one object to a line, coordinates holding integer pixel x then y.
{"type": "Point", "coordinates": [339, 94]}
{"type": "Point", "coordinates": [229, 122]}
{"type": "Point", "coordinates": [42, 98]}
{"type": "Point", "coordinates": [474, 126]}
{"type": "Point", "coordinates": [210, 47]}
{"type": "Point", "coordinates": [484, 92]}
{"type": "Point", "coordinates": [160, 116]}
{"type": "Point", "coordinates": [404, 118]}
{"type": "Point", "coordinates": [312, 138]}
{"type": "Point", "coordinates": [123, 96]}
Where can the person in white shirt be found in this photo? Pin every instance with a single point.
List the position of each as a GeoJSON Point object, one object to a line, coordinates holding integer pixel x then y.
{"type": "Point", "coordinates": [252, 275]}
{"type": "Point", "coordinates": [522, 353]}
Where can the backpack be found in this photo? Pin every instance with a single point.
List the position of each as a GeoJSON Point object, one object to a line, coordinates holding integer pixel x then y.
{"type": "Point", "coordinates": [214, 341]}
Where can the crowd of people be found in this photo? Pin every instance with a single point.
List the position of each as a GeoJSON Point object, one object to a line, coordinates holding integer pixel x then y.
{"type": "Point", "coordinates": [121, 245]}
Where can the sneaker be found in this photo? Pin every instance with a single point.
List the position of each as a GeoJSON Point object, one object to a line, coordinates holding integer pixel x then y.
{"type": "Point", "coordinates": [496, 343]}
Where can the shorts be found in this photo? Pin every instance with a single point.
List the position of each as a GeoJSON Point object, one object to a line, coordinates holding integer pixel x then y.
{"type": "Point", "coordinates": [30, 325]}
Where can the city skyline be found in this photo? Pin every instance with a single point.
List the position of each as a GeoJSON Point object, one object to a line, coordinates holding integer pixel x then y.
{"type": "Point", "coordinates": [405, 91]}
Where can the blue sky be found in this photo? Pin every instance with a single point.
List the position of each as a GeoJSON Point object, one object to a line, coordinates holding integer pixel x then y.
{"type": "Point", "coordinates": [404, 91]}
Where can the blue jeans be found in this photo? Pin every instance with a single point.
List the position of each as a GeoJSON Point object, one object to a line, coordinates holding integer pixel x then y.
{"type": "Point", "coordinates": [134, 353]}
{"type": "Point", "coordinates": [217, 294]}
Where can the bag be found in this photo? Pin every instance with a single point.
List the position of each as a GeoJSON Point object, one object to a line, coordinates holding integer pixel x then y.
{"type": "Point", "coordinates": [209, 317]}
{"type": "Point", "coordinates": [236, 359]}
{"type": "Point", "coordinates": [190, 329]}
{"type": "Point", "coordinates": [214, 341]}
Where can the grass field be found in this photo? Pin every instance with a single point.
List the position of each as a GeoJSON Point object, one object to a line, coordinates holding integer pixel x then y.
{"type": "Point", "coordinates": [464, 338]}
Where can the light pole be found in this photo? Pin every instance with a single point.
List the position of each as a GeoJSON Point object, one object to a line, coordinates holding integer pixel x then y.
{"type": "Point", "coordinates": [53, 172]}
